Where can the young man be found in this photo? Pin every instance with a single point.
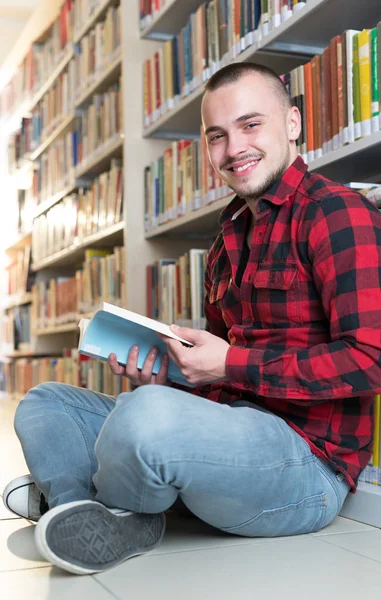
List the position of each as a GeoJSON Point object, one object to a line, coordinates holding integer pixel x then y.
{"type": "Point", "coordinates": [280, 425]}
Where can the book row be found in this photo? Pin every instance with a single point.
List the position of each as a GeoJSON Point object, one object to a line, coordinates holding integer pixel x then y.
{"type": "Point", "coordinates": [239, 17]}
{"type": "Point", "coordinates": [175, 289]}
{"type": "Point", "coordinates": [179, 181]}
{"type": "Point", "coordinates": [97, 49]}
{"type": "Point", "coordinates": [61, 299]}
{"type": "Point", "coordinates": [215, 34]}
{"type": "Point", "coordinates": [337, 93]}
{"type": "Point", "coordinates": [78, 215]}
{"type": "Point", "coordinates": [16, 327]}
{"type": "Point", "coordinates": [18, 272]}
{"type": "Point", "coordinates": [40, 61]}
{"type": "Point", "coordinates": [71, 368]}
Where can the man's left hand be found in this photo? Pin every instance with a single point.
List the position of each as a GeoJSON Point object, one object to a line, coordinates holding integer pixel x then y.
{"type": "Point", "coordinates": [205, 361]}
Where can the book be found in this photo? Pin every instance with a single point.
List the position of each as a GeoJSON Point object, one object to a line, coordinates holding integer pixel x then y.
{"type": "Point", "coordinates": [115, 330]}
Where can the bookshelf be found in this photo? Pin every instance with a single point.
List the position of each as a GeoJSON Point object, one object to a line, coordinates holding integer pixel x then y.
{"type": "Point", "coordinates": [291, 44]}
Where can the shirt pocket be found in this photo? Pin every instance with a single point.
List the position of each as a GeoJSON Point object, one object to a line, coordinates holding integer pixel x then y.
{"type": "Point", "coordinates": [276, 294]}
{"type": "Point", "coordinates": [224, 295]}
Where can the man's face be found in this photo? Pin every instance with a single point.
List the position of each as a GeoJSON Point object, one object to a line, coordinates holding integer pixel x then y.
{"type": "Point", "coordinates": [248, 132]}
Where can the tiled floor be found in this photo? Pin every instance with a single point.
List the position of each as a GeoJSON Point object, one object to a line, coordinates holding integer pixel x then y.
{"type": "Point", "coordinates": [194, 561]}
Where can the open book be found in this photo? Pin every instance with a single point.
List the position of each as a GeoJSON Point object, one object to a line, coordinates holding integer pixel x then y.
{"type": "Point", "coordinates": [115, 330]}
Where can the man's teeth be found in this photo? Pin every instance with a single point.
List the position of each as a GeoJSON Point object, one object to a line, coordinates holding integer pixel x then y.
{"type": "Point", "coordinates": [239, 169]}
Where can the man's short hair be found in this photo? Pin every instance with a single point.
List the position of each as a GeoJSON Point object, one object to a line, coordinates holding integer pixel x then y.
{"type": "Point", "coordinates": [235, 71]}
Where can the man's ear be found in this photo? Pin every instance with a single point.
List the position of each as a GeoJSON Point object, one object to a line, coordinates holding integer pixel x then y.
{"type": "Point", "coordinates": [293, 123]}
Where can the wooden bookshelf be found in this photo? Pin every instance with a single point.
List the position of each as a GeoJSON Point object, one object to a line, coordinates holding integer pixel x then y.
{"type": "Point", "coordinates": [56, 329]}
{"type": "Point", "coordinates": [73, 255]}
{"type": "Point", "coordinates": [282, 50]}
{"type": "Point", "coordinates": [99, 161]}
{"type": "Point", "coordinates": [17, 300]}
{"type": "Point", "coordinates": [93, 18]}
{"type": "Point", "coordinates": [199, 222]}
{"type": "Point", "coordinates": [22, 240]}
{"type": "Point", "coordinates": [44, 206]}
{"type": "Point", "coordinates": [64, 126]}
{"type": "Point", "coordinates": [68, 55]}
{"type": "Point", "coordinates": [102, 81]}
{"type": "Point", "coordinates": [170, 19]}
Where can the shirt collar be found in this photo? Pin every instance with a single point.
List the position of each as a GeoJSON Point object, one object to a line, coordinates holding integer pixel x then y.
{"type": "Point", "coordinates": [277, 194]}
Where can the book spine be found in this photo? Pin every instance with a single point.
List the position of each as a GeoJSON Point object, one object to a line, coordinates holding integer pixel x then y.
{"type": "Point", "coordinates": [375, 91]}
{"type": "Point", "coordinates": [364, 81]}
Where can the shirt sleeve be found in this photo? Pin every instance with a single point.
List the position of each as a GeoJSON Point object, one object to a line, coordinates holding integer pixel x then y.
{"type": "Point", "coordinates": [344, 244]}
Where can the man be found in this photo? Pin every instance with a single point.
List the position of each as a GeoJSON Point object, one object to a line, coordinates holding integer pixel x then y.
{"type": "Point", "coordinates": [280, 425]}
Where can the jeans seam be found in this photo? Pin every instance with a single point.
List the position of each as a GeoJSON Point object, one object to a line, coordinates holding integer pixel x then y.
{"type": "Point", "coordinates": [327, 476]}
{"type": "Point", "coordinates": [91, 462]}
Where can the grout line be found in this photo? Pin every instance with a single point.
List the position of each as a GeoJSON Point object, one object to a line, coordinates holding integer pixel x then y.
{"type": "Point", "coordinates": [378, 562]}
{"type": "Point", "coordinates": [106, 589]}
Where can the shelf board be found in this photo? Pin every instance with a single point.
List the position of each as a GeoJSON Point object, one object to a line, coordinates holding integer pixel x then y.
{"type": "Point", "coordinates": [320, 20]}
{"type": "Point", "coordinates": [63, 127]}
{"type": "Point", "coordinates": [44, 206]}
{"type": "Point", "coordinates": [99, 161]}
{"type": "Point", "coordinates": [365, 505]}
{"type": "Point", "coordinates": [170, 20]}
{"type": "Point", "coordinates": [54, 329]}
{"type": "Point", "coordinates": [17, 300]}
{"type": "Point", "coordinates": [12, 122]}
{"type": "Point", "coordinates": [361, 157]}
{"type": "Point", "coordinates": [93, 18]}
{"type": "Point", "coordinates": [73, 255]}
{"type": "Point", "coordinates": [20, 242]}
{"type": "Point", "coordinates": [24, 354]}
{"type": "Point", "coordinates": [198, 222]}
{"type": "Point", "coordinates": [69, 54]}
{"type": "Point", "coordinates": [103, 80]}
{"type": "Point", "coordinates": [293, 43]}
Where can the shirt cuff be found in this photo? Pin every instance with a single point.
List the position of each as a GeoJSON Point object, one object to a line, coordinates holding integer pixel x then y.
{"type": "Point", "coordinates": [243, 366]}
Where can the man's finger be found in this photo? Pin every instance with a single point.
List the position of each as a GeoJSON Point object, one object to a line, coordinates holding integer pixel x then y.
{"type": "Point", "coordinates": [115, 367]}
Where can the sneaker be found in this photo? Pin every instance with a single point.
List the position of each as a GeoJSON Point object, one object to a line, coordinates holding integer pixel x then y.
{"type": "Point", "coordinates": [22, 497]}
{"type": "Point", "coordinates": [86, 537]}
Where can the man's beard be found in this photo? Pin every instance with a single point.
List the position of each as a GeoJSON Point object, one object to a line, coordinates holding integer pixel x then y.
{"type": "Point", "coordinates": [253, 193]}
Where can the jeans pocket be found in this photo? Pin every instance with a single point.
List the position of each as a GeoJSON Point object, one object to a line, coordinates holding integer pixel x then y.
{"type": "Point", "coordinates": [336, 490]}
{"type": "Point", "coordinates": [291, 519]}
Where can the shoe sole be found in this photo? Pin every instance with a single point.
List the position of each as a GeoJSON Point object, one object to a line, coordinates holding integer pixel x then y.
{"type": "Point", "coordinates": [85, 537]}
{"type": "Point", "coordinates": [13, 486]}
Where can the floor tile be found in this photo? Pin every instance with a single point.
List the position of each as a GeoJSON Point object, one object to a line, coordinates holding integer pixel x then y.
{"type": "Point", "coordinates": [342, 525]}
{"type": "Point", "coordinates": [12, 462]}
{"type": "Point", "coordinates": [51, 584]}
{"type": "Point", "coordinates": [4, 512]}
{"type": "Point", "coordinates": [17, 547]}
{"type": "Point", "coordinates": [291, 569]}
{"type": "Point", "coordinates": [184, 534]}
{"type": "Point", "coordinates": [365, 543]}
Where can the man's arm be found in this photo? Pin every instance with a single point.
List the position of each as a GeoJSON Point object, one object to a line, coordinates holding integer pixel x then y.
{"type": "Point", "coordinates": [345, 251]}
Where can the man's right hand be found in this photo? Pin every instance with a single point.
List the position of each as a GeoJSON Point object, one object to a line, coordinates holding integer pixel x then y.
{"type": "Point", "coordinates": [145, 376]}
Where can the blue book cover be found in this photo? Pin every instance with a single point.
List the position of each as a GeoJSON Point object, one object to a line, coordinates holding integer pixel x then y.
{"type": "Point", "coordinates": [115, 330]}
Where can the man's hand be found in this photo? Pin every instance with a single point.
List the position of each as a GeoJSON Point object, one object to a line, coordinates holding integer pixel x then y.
{"type": "Point", "coordinates": [205, 361]}
{"type": "Point", "coordinates": [145, 376]}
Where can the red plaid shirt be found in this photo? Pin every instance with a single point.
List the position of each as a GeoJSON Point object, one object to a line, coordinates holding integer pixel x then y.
{"type": "Point", "coordinates": [304, 324]}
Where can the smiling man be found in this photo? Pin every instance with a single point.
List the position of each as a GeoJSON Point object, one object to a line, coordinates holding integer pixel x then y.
{"type": "Point", "coordinates": [279, 426]}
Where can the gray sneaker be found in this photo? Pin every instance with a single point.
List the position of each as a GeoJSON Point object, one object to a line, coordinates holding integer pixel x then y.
{"type": "Point", "coordinates": [23, 498]}
{"type": "Point", "coordinates": [86, 537]}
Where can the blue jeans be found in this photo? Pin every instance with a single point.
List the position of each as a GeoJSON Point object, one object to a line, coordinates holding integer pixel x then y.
{"type": "Point", "coordinates": [241, 469]}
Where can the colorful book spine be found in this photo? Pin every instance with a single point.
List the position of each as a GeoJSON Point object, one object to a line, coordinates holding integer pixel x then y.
{"type": "Point", "coordinates": [365, 81]}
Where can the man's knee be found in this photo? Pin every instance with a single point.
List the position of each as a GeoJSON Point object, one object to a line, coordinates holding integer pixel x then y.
{"type": "Point", "coordinates": [36, 395]}
{"type": "Point", "coordinates": [149, 415]}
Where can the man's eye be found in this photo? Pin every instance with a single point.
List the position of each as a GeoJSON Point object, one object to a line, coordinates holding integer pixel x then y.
{"type": "Point", "coordinates": [217, 137]}
{"type": "Point", "coordinates": [251, 125]}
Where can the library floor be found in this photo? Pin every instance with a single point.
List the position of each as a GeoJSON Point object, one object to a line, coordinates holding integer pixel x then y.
{"type": "Point", "coordinates": [342, 561]}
